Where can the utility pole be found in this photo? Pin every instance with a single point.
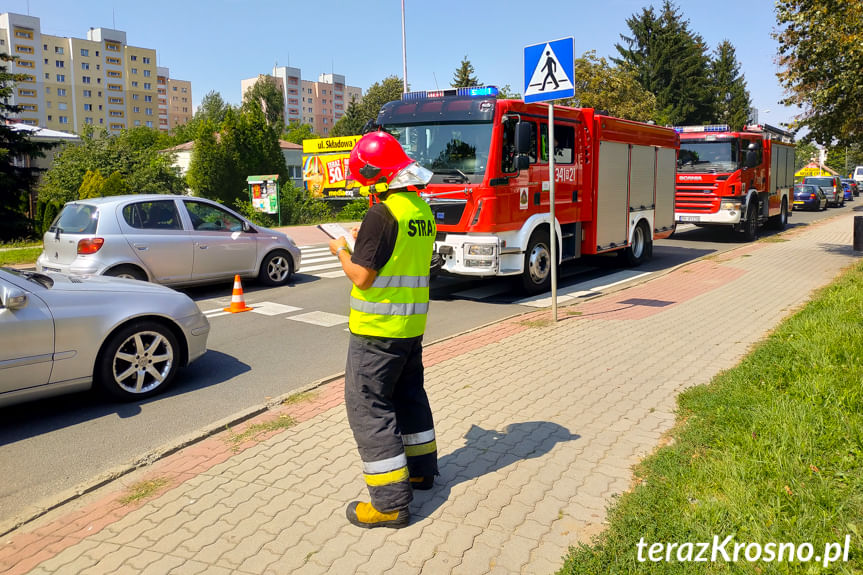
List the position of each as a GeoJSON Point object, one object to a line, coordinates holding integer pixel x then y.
{"type": "Point", "coordinates": [404, 52]}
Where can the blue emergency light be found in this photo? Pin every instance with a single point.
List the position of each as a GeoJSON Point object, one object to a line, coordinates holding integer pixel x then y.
{"type": "Point", "coordinates": [707, 128]}
{"type": "Point", "coordinates": [472, 92]}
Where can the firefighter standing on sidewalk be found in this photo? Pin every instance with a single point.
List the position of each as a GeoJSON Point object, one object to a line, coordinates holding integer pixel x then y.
{"type": "Point", "coordinates": [387, 406]}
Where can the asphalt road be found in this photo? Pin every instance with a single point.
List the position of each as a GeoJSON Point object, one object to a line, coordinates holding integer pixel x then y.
{"type": "Point", "coordinates": [49, 448]}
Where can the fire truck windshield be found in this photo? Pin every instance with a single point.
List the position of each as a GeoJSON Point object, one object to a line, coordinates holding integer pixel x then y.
{"type": "Point", "coordinates": [708, 156]}
{"type": "Point", "coordinates": [455, 152]}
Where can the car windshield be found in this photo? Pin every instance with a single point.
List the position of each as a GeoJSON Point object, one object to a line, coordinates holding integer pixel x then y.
{"type": "Point", "coordinates": [452, 150]}
{"type": "Point", "coordinates": [76, 219]}
{"type": "Point", "coordinates": [37, 278]}
{"type": "Point", "coordinates": [704, 156]}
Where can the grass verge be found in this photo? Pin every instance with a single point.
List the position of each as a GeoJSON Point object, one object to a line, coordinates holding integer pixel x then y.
{"type": "Point", "coordinates": [770, 451]}
{"type": "Point", "coordinates": [254, 430]}
{"type": "Point", "coordinates": [19, 255]}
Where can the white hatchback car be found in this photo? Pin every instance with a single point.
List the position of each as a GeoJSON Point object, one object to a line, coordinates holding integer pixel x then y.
{"type": "Point", "coordinates": [167, 239]}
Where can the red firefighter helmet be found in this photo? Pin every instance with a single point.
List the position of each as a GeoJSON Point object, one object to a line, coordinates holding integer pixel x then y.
{"type": "Point", "coordinates": [378, 158]}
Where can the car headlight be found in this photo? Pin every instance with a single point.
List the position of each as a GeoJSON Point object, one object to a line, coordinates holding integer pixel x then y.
{"type": "Point", "coordinates": [480, 250]}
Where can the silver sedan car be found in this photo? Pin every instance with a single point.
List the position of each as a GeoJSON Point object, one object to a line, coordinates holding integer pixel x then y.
{"type": "Point", "coordinates": [166, 239]}
{"type": "Point", "coordinates": [60, 334]}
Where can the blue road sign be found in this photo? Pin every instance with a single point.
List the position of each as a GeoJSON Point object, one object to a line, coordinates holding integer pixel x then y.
{"type": "Point", "coordinates": [548, 70]}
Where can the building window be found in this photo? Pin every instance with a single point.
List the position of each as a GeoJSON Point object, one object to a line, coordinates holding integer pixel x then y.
{"type": "Point", "coordinates": [62, 106]}
{"type": "Point", "coordinates": [134, 96]}
{"type": "Point", "coordinates": [114, 74]}
{"type": "Point", "coordinates": [24, 49]}
{"type": "Point", "coordinates": [87, 93]}
{"type": "Point", "coordinates": [116, 113]}
{"type": "Point", "coordinates": [88, 107]}
{"type": "Point", "coordinates": [60, 64]}
{"type": "Point", "coordinates": [63, 119]}
{"type": "Point", "coordinates": [148, 111]}
{"type": "Point", "coordinates": [133, 58]}
{"type": "Point", "coordinates": [112, 47]}
{"type": "Point", "coordinates": [88, 120]}
{"type": "Point", "coordinates": [115, 100]}
{"type": "Point", "coordinates": [146, 59]}
{"type": "Point", "coordinates": [85, 79]}
{"type": "Point", "coordinates": [111, 60]}
{"type": "Point", "coordinates": [117, 126]}
{"type": "Point", "coordinates": [137, 122]}
{"type": "Point", "coordinates": [148, 98]}
{"type": "Point", "coordinates": [26, 34]}
{"type": "Point", "coordinates": [30, 107]}
{"type": "Point", "coordinates": [29, 78]}
{"type": "Point", "coordinates": [115, 87]}
{"type": "Point", "coordinates": [85, 66]}
{"type": "Point", "coordinates": [148, 85]}
{"type": "Point", "coordinates": [135, 84]}
{"type": "Point", "coordinates": [61, 77]}
{"type": "Point", "coordinates": [61, 91]}
{"type": "Point", "coordinates": [26, 63]}
{"type": "Point", "coordinates": [85, 52]}
{"type": "Point", "coordinates": [149, 124]}
{"type": "Point", "coordinates": [136, 109]}
{"type": "Point", "coordinates": [58, 50]}
{"type": "Point", "coordinates": [134, 70]}
{"type": "Point", "coordinates": [146, 73]}
{"type": "Point", "coordinates": [26, 92]}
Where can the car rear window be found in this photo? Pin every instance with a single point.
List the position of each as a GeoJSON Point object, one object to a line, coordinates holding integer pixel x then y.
{"type": "Point", "coordinates": [76, 219]}
{"type": "Point", "coordinates": [823, 182]}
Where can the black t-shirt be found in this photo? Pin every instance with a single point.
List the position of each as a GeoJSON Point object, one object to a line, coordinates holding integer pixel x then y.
{"type": "Point", "coordinates": [376, 239]}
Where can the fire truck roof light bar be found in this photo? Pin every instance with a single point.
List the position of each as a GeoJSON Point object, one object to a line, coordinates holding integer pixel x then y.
{"type": "Point", "coordinates": [473, 92]}
{"type": "Point", "coordinates": [708, 128]}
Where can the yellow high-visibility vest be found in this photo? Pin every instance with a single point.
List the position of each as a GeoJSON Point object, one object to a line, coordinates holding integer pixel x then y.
{"type": "Point", "coordinates": [397, 302]}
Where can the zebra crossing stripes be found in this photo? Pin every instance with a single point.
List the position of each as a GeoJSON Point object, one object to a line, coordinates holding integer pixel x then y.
{"type": "Point", "coordinates": [318, 261]}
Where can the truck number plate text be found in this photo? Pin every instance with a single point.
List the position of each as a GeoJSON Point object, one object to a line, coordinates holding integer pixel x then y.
{"type": "Point", "coordinates": [690, 218]}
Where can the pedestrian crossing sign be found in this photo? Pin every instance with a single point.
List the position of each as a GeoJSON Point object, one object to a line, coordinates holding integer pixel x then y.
{"type": "Point", "coordinates": [548, 70]}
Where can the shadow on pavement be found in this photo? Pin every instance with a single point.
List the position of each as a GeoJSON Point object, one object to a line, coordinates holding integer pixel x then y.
{"type": "Point", "coordinates": [19, 422]}
{"type": "Point", "coordinates": [488, 451]}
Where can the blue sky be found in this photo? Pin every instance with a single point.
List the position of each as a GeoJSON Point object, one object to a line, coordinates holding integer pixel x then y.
{"type": "Point", "coordinates": [215, 44]}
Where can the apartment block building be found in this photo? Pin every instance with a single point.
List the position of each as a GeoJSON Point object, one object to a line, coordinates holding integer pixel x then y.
{"type": "Point", "coordinates": [317, 103]}
{"type": "Point", "coordinates": [72, 82]}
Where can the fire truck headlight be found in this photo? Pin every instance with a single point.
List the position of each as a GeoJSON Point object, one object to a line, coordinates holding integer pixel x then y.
{"type": "Point", "coordinates": [480, 250]}
{"type": "Point", "coordinates": [730, 206]}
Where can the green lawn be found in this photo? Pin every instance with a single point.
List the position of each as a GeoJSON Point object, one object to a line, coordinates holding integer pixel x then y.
{"type": "Point", "coordinates": [19, 255]}
{"type": "Point", "coordinates": [770, 451]}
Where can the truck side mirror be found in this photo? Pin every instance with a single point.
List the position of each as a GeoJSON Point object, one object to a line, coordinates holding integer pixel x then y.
{"type": "Point", "coordinates": [751, 159]}
{"type": "Point", "coordinates": [522, 162]}
{"type": "Point", "coordinates": [522, 137]}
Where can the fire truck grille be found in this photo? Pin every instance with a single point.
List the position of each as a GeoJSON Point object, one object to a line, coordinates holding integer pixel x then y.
{"type": "Point", "coordinates": [447, 213]}
{"type": "Point", "coordinates": [696, 200]}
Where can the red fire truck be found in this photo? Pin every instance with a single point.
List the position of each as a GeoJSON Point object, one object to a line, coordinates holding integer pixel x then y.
{"type": "Point", "coordinates": [735, 179]}
{"type": "Point", "coordinates": [614, 181]}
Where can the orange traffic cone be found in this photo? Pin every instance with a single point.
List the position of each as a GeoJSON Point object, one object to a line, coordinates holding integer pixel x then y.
{"type": "Point", "coordinates": [238, 304]}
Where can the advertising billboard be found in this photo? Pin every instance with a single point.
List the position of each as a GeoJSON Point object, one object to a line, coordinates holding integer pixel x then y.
{"type": "Point", "coordinates": [325, 168]}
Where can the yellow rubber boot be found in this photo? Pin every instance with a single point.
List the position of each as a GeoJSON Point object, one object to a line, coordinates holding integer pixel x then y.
{"type": "Point", "coordinates": [365, 515]}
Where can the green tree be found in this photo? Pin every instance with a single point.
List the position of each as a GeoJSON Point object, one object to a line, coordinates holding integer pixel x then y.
{"type": "Point", "coordinates": [16, 181]}
{"type": "Point", "coordinates": [464, 75]}
{"type": "Point", "coordinates": [213, 108]}
{"type": "Point", "coordinates": [296, 132]}
{"type": "Point", "coordinates": [671, 62]}
{"type": "Point", "coordinates": [266, 96]}
{"type": "Point", "coordinates": [730, 96]}
{"type": "Point", "coordinates": [209, 165]}
{"type": "Point", "coordinates": [507, 93]}
{"type": "Point", "coordinates": [91, 185]}
{"type": "Point", "coordinates": [134, 154]}
{"type": "Point", "coordinates": [804, 152]}
{"type": "Point", "coordinates": [821, 56]}
{"type": "Point", "coordinates": [351, 124]}
{"type": "Point", "coordinates": [614, 89]}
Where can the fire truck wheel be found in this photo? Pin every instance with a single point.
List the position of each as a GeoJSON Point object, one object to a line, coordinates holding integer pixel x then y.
{"type": "Point", "coordinates": [536, 277]}
{"type": "Point", "coordinates": [640, 248]}
{"type": "Point", "coordinates": [779, 222]}
{"type": "Point", "coordinates": [750, 226]}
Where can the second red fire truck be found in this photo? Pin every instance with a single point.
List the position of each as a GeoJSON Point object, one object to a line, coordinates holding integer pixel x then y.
{"type": "Point", "coordinates": [735, 179]}
{"type": "Point", "coordinates": [614, 181]}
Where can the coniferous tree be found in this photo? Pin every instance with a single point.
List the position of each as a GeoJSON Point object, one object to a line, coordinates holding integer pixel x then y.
{"type": "Point", "coordinates": [351, 124]}
{"type": "Point", "coordinates": [669, 61]}
{"type": "Point", "coordinates": [731, 98]}
{"type": "Point", "coordinates": [464, 75]}
{"type": "Point", "coordinates": [16, 180]}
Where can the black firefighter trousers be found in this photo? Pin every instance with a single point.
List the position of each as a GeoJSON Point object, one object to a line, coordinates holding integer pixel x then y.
{"type": "Point", "coordinates": [389, 414]}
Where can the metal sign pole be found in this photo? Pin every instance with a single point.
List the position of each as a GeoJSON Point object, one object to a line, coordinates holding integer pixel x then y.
{"type": "Point", "coordinates": [552, 226]}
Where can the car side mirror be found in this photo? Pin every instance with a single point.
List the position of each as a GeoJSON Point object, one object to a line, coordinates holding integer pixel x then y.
{"type": "Point", "coordinates": [14, 298]}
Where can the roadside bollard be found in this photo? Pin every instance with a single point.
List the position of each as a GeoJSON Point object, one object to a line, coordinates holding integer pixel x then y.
{"type": "Point", "coordinates": [858, 233]}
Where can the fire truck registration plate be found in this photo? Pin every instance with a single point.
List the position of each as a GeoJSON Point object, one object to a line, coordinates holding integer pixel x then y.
{"type": "Point", "coordinates": [690, 218]}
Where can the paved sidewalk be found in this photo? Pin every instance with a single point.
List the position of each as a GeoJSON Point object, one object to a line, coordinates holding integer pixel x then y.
{"type": "Point", "coordinates": [537, 424]}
